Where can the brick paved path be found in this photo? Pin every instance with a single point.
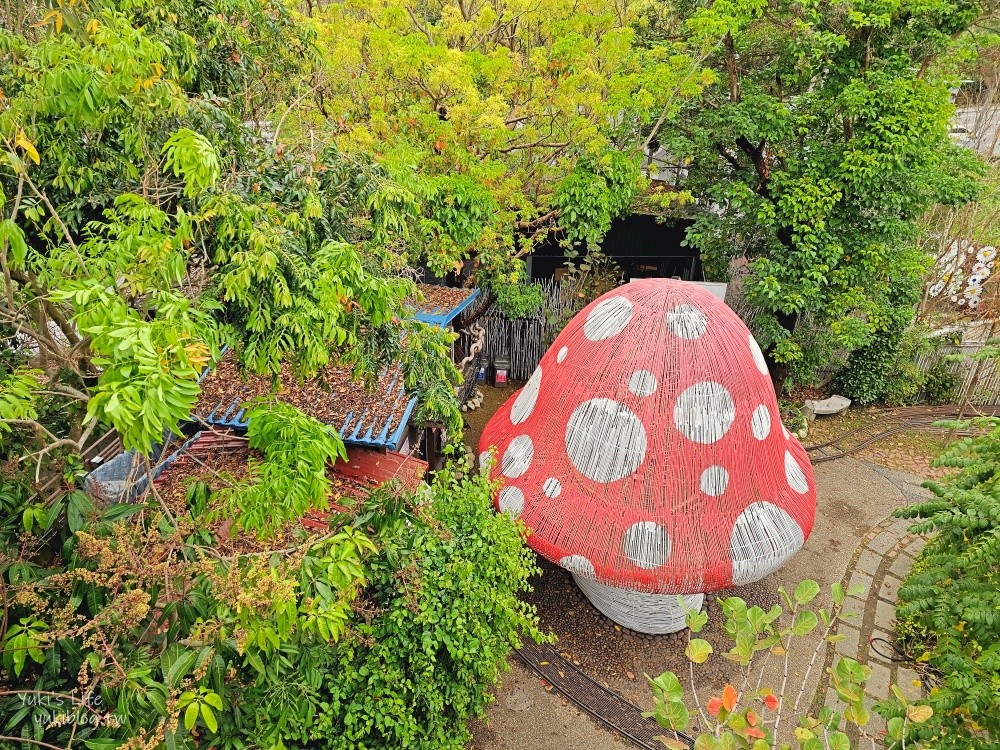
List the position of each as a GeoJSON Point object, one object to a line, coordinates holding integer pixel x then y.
{"type": "Point", "coordinates": [881, 560]}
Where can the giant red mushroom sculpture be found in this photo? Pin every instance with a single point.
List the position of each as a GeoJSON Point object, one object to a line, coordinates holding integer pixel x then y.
{"type": "Point", "coordinates": [646, 455]}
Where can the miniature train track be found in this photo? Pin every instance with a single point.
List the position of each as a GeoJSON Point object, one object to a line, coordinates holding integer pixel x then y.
{"type": "Point", "coordinates": [602, 704]}
{"type": "Point", "coordinates": [892, 422]}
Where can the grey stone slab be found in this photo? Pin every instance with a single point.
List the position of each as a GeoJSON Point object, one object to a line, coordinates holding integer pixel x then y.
{"type": "Point", "coordinates": [859, 579]}
{"type": "Point", "coordinates": [883, 542]}
{"type": "Point", "coordinates": [890, 588]}
{"type": "Point", "coordinates": [878, 683]}
{"type": "Point", "coordinates": [851, 643]}
{"type": "Point", "coordinates": [868, 562]}
{"type": "Point", "coordinates": [832, 405]}
{"type": "Point", "coordinates": [901, 566]}
{"type": "Point", "coordinates": [910, 684]}
{"type": "Point", "coordinates": [856, 607]}
{"type": "Point", "coordinates": [885, 616]}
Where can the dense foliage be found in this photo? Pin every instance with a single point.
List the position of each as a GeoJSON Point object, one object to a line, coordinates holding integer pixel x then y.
{"type": "Point", "coordinates": [506, 120]}
{"type": "Point", "coordinates": [146, 223]}
{"type": "Point", "coordinates": [949, 605]}
{"type": "Point", "coordinates": [130, 626]}
{"type": "Point", "coordinates": [821, 142]}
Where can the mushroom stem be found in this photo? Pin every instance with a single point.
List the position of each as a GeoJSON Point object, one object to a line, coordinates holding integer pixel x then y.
{"type": "Point", "coordinates": [656, 614]}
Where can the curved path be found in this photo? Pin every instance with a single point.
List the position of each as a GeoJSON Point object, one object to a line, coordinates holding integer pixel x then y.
{"type": "Point", "coordinates": [880, 562]}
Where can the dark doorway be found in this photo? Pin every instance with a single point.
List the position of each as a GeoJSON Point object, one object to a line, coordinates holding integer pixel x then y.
{"type": "Point", "coordinates": [639, 244]}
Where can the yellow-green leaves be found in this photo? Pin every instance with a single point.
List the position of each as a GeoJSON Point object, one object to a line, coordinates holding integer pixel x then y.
{"type": "Point", "coordinates": [190, 156]}
{"type": "Point", "coordinates": [22, 142]}
{"type": "Point", "coordinates": [698, 650]}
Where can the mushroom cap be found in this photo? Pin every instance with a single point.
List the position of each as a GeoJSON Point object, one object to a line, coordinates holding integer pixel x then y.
{"type": "Point", "coordinates": [647, 452]}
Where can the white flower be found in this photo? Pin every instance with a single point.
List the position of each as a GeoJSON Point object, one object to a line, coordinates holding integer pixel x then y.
{"type": "Point", "coordinates": [987, 253]}
{"type": "Point", "coordinates": [973, 304]}
{"type": "Point", "coordinates": [973, 292]}
{"type": "Point", "coordinates": [936, 289]}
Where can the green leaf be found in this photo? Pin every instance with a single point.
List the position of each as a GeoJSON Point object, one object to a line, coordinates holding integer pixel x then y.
{"type": "Point", "coordinates": [806, 591]}
{"type": "Point", "coordinates": [209, 717]}
{"type": "Point", "coordinates": [805, 622]}
{"type": "Point", "coordinates": [191, 715]}
{"type": "Point", "coordinates": [698, 650]}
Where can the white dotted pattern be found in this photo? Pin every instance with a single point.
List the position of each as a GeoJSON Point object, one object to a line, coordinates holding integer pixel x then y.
{"type": "Point", "coordinates": [484, 457]}
{"type": "Point", "coordinates": [687, 322]}
{"type": "Point", "coordinates": [562, 355]}
{"type": "Point", "coordinates": [608, 318]}
{"type": "Point", "coordinates": [704, 412]}
{"type": "Point", "coordinates": [552, 487]}
{"type": "Point", "coordinates": [605, 441]}
{"type": "Point", "coordinates": [517, 457]}
{"type": "Point", "coordinates": [794, 474]}
{"type": "Point", "coordinates": [760, 423]}
{"type": "Point", "coordinates": [524, 404]}
{"type": "Point", "coordinates": [511, 501]}
{"type": "Point", "coordinates": [578, 564]}
{"type": "Point", "coordinates": [642, 383]}
{"type": "Point", "coordinates": [646, 544]}
{"type": "Point", "coordinates": [758, 356]}
{"type": "Point", "coordinates": [714, 480]}
{"type": "Point", "coordinates": [764, 538]}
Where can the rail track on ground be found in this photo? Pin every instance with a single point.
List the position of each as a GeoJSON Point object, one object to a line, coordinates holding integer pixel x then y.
{"type": "Point", "coordinates": [891, 422]}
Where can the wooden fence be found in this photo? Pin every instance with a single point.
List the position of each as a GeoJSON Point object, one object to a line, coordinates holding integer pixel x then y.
{"type": "Point", "coordinates": [985, 390]}
{"type": "Point", "coordinates": [524, 340]}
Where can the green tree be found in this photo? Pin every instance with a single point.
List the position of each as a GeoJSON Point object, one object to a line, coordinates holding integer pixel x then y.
{"type": "Point", "coordinates": [820, 144]}
{"type": "Point", "coordinates": [949, 604]}
{"type": "Point", "coordinates": [503, 121]}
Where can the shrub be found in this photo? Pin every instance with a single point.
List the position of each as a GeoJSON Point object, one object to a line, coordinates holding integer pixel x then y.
{"type": "Point", "coordinates": [941, 384]}
{"type": "Point", "coordinates": [949, 604]}
{"type": "Point", "coordinates": [134, 625]}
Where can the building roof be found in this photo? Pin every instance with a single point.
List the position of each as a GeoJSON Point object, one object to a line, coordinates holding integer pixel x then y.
{"type": "Point", "coordinates": [374, 418]}
{"type": "Point", "coordinates": [442, 304]}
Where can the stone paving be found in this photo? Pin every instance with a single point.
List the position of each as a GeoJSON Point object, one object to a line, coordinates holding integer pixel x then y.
{"type": "Point", "coordinates": [883, 557]}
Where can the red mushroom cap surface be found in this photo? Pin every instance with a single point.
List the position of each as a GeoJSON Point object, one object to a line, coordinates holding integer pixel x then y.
{"type": "Point", "coordinates": [647, 451]}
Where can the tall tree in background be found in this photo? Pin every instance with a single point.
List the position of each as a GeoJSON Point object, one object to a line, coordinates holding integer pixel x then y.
{"type": "Point", "coordinates": [505, 121]}
{"type": "Point", "coordinates": [822, 141]}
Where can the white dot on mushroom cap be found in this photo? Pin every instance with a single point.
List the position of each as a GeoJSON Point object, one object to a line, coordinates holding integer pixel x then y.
{"type": "Point", "coordinates": [704, 412]}
{"type": "Point", "coordinates": [552, 487]}
{"type": "Point", "coordinates": [760, 423]}
{"type": "Point", "coordinates": [784, 431]}
{"type": "Point", "coordinates": [642, 383]}
{"type": "Point", "coordinates": [758, 355]}
{"type": "Point", "coordinates": [511, 501]}
{"type": "Point", "coordinates": [517, 457]}
{"type": "Point", "coordinates": [794, 474]}
{"type": "Point", "coordinates": [687, 321]}
{"type": "Point", "coordinates": [483, 458]}
{"type": "Point", "coordinates": [524, 404]}
{"type": "Point", "coordinates": [605, 441]}
{"type": "Point", "coordinates": [763, 539]}
{"type": "Point", "coordinates": [608, 318]}
{"type": "Point", "coordinates": [714, 480]}
{"type": "Point", "coordinates": [562, 355]}
{"type": "Point", "coordinates": [578, 564]}
{"type": "Point", "coordinates": [646, 544]}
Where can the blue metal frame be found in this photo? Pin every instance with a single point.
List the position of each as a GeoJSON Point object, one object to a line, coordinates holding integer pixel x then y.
{"type": "Point", "coordinates": [369, 436]}
{"type": "Point", "coordinates": [440, 316]}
